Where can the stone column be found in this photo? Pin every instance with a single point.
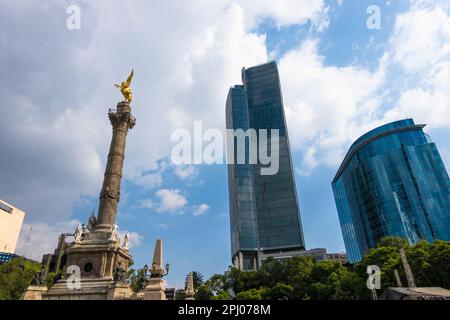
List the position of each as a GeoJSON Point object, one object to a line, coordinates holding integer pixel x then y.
{"type": "Point", "coordinates": [121, 121]}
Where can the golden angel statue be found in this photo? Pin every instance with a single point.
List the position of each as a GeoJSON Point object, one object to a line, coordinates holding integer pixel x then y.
{"type": "Point", "coordinates": [125, 88]}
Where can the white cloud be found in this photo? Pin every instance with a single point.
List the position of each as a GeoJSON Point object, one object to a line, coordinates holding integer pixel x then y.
{"type": "Point", "coordinates": [147, 204]}
{"type": "Point", "coordinates": [150, 180]}
{"type": "Point", "coordinates": [325, 105]}
{"type": "Point", "coordinates": [38, 239]}
{"type": "Point", "coordinates": [328, 107]}
{"type": "Point", "coordinates": [135, 239]}
{"type": "Point", "coordinates": [60, 85]}
{"type": "Point", "coordinates": [161, 226]}
{"type": "Point", "coordinates": [421, 38]}
{"type": "Point", "coordinates": [421, 45]}
{"type": "Point", "coordinates": [429, 107]}
{"type": "Point", "coordinates": [186, 172]}
{"type": "Point", "coordinates": [200, 209]}
{"type": "Point", "coordinates": [284, 12]}
{"type": "Point", "coordinates": [170, 200]}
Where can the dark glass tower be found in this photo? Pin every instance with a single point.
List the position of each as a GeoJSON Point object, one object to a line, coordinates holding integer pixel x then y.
{"type": "Point", "coordinates": [264, 211]}
{"type": "Point", "coordinates": [392, 182]}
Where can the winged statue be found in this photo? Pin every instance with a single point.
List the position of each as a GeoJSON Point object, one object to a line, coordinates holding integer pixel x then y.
{"type": "Point", "coordinates": [125, 88]}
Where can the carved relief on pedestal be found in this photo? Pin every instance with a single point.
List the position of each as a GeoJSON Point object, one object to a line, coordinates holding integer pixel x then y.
{"type": "Point", "coordinates": [103, 266]}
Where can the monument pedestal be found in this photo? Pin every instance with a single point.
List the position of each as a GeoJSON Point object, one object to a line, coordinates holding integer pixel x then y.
{"type": "Point", "coordinates": [154, 290]}
{"type": "Point", "coordinates": [89, 290]}
{"type": "Point", "coordinates": [98, 259]}
{"type": "Point", "coordinates": [34, 293]}
{"type": "Point", "coordinates": [120, 291]}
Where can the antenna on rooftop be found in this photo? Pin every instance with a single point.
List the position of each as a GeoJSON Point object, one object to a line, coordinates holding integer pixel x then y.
{"type": "Point", "coordinates": [27, 242]}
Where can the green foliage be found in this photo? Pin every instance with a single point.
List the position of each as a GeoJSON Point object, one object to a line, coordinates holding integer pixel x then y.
{"type": "Point", "coordinates": [222, 295]}
{"type": "Point", "coordinates": [137, 279]}
{"type": "Point", "coordinates": [203, 292]}
{"type": "Point", "coordinates": [300, 278]}
{"type": "Point", "coordinates": [213, 289]}
{"type": "Point", "coordinates": [252, 294]}
{"type": "Point", "coordinates": [216, 283]}
{"type": "Point", "coordinates": [430, 263]}
{"type": "Point", "coordinates": [50, 279]}
{"type": "Point", "coordinates": [280, 291]}
{"type": "Point", "coordinates": [393, 242]}
{"type": "Point", "coordinates": [15, 277]}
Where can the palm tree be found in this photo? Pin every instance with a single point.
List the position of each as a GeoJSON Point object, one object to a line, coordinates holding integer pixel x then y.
{"type": "Point", "coordinates": [197, 278]}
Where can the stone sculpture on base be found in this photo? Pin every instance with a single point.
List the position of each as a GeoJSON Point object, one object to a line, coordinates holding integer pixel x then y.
{"type": "Point", "coordinates": [36, 288]}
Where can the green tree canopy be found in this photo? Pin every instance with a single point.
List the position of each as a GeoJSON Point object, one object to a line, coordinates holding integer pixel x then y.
{"type": "Point", "coordinates": [15, 277]}
{"type": "Point", "coordinates": [301, 278]}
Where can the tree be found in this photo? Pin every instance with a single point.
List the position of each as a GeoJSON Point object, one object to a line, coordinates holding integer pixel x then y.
{"type": "Point", "coordinates": [393, 242]}
{"type": "Point", "coordinates": [252, 294]}
{"type": "Point", "coordinates": [137, 279]}
{"type": "Point", "coordinates": [430, 263]}
{"type": "Point", "coordinates": [387, 259]}
{"type": "Point", "coordinates": [203, 292]}
{"type": "Point", "coordinates": [439, 264]}
{"type": "Point", "coordinates": [15, 277]}
{"type": "Point", "coordinates": [243, 281]}
{"type": "Point", "coordinates": [50, 279]}
{"type": "Point", "coordinates": [214, 287]}
{"type": "Point", "coordinates": [298, 269]}
{"type": "Point", "coordinates": [301, 278]}
{"type": "Point", "coordinates": [280, 291]}
{"type": "Point", "coordinates": [222, 295]}
{"type": "Point", "coordinates": [273, 271]}
{"type": "Point", "coordinates": [217, 283]}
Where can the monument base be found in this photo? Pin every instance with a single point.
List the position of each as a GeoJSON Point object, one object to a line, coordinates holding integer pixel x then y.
{"type": "Point", "coordinates": [94, 289]}
{"type": "Point", "coordinates": [154, 290]}
{"type": "Point", "coordinates": [34, 293]}
{"type": "Point", "coordinates": [96, 268]}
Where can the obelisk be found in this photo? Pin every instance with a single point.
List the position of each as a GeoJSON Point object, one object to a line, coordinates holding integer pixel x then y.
{"type": "Point", "coordinates": [155, 286]}
{"type": "Point", "coordinates": [190, 293]}
{"type": "Point", "coordinates": [121, 121]}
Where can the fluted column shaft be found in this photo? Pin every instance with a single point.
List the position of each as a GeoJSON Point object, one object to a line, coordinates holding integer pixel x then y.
{"type": "Point", "coordinates": [121, 121]}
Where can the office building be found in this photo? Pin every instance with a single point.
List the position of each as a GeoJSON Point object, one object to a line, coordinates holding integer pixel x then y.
{"type": "Point", "coordinates": [11, 220]}
{"type": "Point", "coordinates": [392, 182]}
{"type": "Point", "coordinates": [264, 210]}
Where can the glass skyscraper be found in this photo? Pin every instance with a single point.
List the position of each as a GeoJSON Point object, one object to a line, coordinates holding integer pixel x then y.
{"type": "Point", "coordinates": [392, 182]}
{"type": "Point", "coordinates": [264, 210]}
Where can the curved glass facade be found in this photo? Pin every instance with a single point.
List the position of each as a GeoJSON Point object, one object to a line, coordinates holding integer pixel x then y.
{"type": "Point", "coordinates": [264, 211]}
{"type": "Point", "coordinates": [392, 182]}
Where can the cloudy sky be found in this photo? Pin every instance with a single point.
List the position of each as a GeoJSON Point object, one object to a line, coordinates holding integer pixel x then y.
{"type": "Point", "coordinates": [339, 79]}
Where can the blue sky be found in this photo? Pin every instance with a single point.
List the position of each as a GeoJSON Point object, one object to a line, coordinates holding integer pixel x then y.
{"type": "Point", "coordinates": [339, 80]}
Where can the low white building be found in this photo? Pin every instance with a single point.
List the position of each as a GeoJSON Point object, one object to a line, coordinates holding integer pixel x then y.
{"type": "Point", "coordinates": [11, 220]}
